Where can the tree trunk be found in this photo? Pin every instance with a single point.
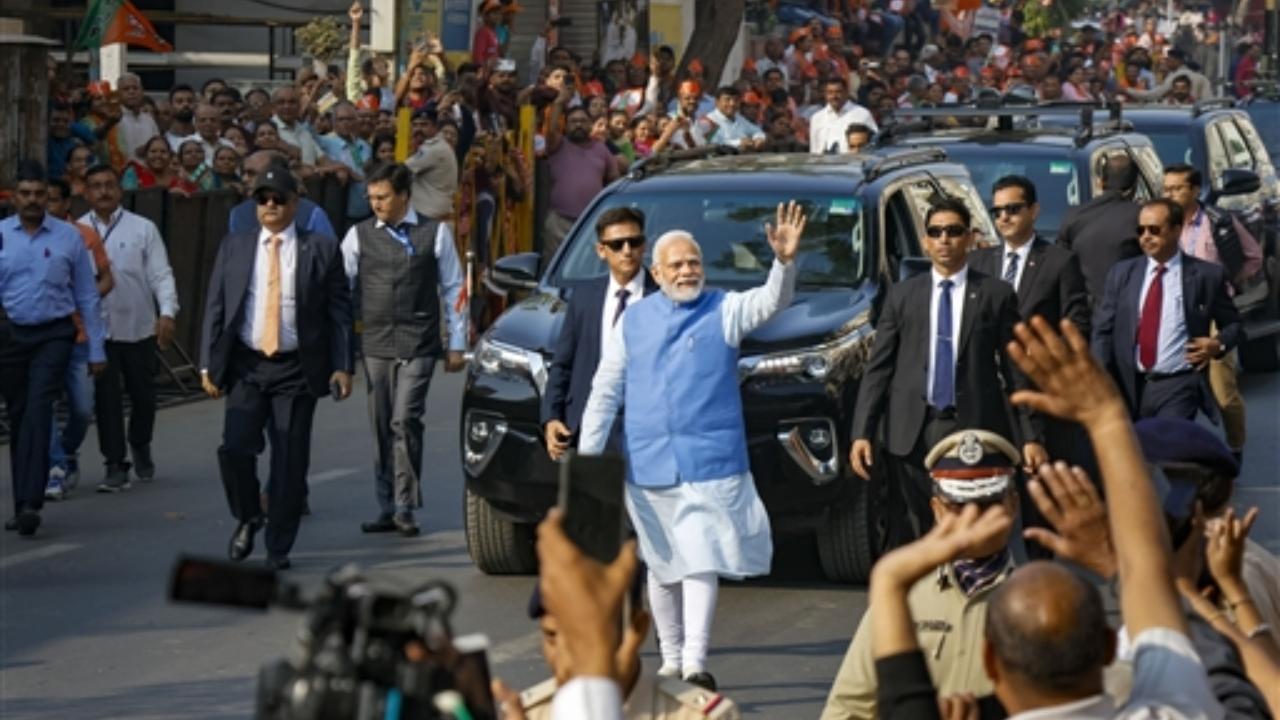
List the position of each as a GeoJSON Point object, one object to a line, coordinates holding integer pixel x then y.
{"type": "Point", "coordinates": [715, 29]}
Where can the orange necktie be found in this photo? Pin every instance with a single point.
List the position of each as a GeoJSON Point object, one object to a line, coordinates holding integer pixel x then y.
{"type": "Point", "coordinates": [271, 307]}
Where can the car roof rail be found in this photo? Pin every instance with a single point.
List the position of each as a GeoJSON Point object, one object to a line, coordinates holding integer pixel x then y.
{"type": "Point", "coordinates": [1218, 103]}
{"type": "Point", "coordinates": [873, 168]}
{"type": "Point", "coordinates": [659, 162]}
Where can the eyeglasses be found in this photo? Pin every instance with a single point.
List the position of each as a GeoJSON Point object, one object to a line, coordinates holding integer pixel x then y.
{"type": "Point", "coordinates": [951, 231]}
{"type": "Point", "coordinates": [635, 242]}
{"type": "Point", "coordinates": [271, 198]}
{"type": "Point", "coordinates": [1149, 230]}
{"type": "Point", "coordinates": [1010, 209]}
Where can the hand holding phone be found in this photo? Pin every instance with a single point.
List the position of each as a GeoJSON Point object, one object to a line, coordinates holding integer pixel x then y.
{"type": "Point", "coordinates": [591, 496]}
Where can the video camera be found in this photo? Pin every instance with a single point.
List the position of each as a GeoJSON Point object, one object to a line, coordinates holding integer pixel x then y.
{"type": "Point", "coordinates": [363, 651]}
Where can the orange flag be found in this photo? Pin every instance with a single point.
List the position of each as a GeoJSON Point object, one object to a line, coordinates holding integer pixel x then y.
{"type": "Point", "coordinates": [131, 27]}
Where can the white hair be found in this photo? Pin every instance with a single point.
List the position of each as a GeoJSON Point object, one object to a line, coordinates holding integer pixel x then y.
{"type": "Point", "coordinates": [129, 76]}
{"type": "Point", "coordinates": [672, 236]}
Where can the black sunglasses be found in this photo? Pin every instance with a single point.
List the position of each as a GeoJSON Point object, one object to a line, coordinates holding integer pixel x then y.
{"type": "Point", "coordinates": [269, 198]}
{"type": "Point", "coordinates": [1010, 209]}
{"type": "Point", "coordinates": [1148, 230]}
{"type": "Point", "coordinates": [951, 231]}
{"type": "Point", "coordinates": [634, 241]}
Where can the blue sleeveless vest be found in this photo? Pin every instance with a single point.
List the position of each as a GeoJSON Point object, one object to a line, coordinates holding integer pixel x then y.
{"type": "Point", "coordinates": [684, 409]}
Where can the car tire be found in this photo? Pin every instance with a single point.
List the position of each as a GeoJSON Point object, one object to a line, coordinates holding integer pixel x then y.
{"type": "Point", "coordinates": [848, 539]}
{"type": "Point", "coordinates": [498, 546]}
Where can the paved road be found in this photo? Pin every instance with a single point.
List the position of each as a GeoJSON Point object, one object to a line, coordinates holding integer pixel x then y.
{"type": "Point", "coordinates": [85, 630]}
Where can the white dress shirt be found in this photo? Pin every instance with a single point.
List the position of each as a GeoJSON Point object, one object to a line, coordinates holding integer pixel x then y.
{"type": "Point", "coordinates": [136, 128]}
{"type": "Point", "coordinates": [448, 271]}
{"type": "Point", "coordinates": [1022, 252]}
{"type": "Point", "coordinates": [143, 278]}
{"type": "Point", "coordinates": [1171, 348]}
{"type": "Point", "coordinates": [607, 326]}
{"type": "Point", "coordinates": [299, 135]}
{"type": "Point", "coordinates": [957, 312]}
{"type": "Point", "coordinates": [827, 127]}
{"type": "Point", "coordinates": [255, 298]}
{"type": "Point", "coordinates": [211, 148]}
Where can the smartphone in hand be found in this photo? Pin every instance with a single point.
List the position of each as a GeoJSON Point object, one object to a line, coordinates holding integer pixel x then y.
{"type": "Point", "coordinates": [591, 496]}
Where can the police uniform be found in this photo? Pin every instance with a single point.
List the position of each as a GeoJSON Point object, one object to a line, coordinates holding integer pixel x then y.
{"type": "Point", "coordinates": [653, 698]}
{"type": "Point", "coordinates": [966, 466]}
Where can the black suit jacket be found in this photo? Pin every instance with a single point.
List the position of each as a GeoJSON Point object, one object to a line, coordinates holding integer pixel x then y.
{"type": "Point", "coordinates": [578, 352]}
{"type": "Point", "coordinates": [1204, 301]}
{"type": "Point", "coordinates": [1051, 286]}
{"type": "Point", "coordinates": [1101, 233]}
{"type": "Point", "coordinates": [894, 384]}
{"type": "Point", "coordinates": [323, 308]}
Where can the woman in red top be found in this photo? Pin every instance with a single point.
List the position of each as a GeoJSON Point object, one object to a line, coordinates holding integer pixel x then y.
{"type": "Point", "coordinates": [154, 168]}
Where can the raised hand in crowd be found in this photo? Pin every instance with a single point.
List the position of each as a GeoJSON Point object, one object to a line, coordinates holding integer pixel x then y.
{"type": "Point", "coordinates": [1067, 498]}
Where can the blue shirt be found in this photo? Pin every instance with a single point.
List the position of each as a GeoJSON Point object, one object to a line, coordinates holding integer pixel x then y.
{"type": "Point", "coordinates": [311, 218]}
{"type": "Point", "coordinates": [49, 275]}
{"type": "Point", "coordinates": [1171, 350]}
{"type": "Point", "coordinates": [354, 154]}
{"type": "Point", "coordinates": [60, 148]}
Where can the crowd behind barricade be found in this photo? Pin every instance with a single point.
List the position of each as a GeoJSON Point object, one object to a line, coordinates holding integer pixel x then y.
{"type": "Point", "coordinates": [960, 605]}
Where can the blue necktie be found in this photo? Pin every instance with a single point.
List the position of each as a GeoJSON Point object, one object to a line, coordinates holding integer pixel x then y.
{"type": "Point", "coordinates": [401, 234]}
{"type": "Point", "coordinates": [944, 391]}
{"type": "Point", "coordinates": [1011, 270]}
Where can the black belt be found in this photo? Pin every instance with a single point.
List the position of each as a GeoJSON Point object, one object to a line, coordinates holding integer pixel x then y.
{"type": "Point", "coordinates": [1155, 376]}
{"type": "Point", "coordinates": [278, 357]}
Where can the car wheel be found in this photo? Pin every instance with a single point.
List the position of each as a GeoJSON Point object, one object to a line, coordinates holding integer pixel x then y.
{"type": "Point", "coordinates": [498, 546]}
{"type": "Point", "coordinates": [848, 539]}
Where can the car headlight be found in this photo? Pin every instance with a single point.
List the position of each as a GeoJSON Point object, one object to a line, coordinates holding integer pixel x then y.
{"type": "Point", "coordinates": [492, 357]}
{"type": "Point", "coordinates": [815, 363]}
{"type": "Point", "coordinates": [484, 433]}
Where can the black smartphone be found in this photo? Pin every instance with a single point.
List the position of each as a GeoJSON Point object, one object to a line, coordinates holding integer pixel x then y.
{"type": "Point", "coordinates": [591, 488]}
{"type": "Point", "coordinates": [471, 676]}
{"type": "Point", "coordinates": [562, 22]}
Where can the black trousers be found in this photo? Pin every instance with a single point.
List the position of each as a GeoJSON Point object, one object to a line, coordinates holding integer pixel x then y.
{"type": "Point", "coordinates": [132, 364]}
{"type": "Point", "coordinates": [1180, 395]}
{"type": "Point", "coordinates": [910, 487]}
{"type": "Point", "coordinates": [33, 366]}
{"type": "Point", "coordinates": [267, 396]}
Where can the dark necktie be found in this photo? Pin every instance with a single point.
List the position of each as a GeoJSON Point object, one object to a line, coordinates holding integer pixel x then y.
{"type": "Point", "coordinates": [944, 391]}
{"type": "Point", "coordinates": [1149, 323]}
{"type": "Point", "coordinates": [622, 296]}
{"type": "Point", "coordinates": [1011, 270]}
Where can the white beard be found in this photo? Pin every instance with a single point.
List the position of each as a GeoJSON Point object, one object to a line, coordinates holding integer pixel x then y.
{"type": "Point", "coordinates": [682, 295]}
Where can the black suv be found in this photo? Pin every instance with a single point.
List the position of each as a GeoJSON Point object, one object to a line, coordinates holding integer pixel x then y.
{"type": "Point", "coordinates": [798, 372]}
{"type": "Point", "coordinates": [1222, 142]}
{"type": "Point", "coordinates": [996, 139]}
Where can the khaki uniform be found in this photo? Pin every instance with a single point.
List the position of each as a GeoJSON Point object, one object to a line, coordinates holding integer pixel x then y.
{"type": "Point", "coordinates": [949, 627]}
{"type": "Point", "coordinates": [653, 698]}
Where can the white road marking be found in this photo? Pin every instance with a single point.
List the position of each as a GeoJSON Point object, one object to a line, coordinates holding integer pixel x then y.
{"type": "Point", "coordinates": [40, 553]}
{"type": "Point", "coordinates": [333, 474]}
{"type": "Point", "coordinates": [516, 648]}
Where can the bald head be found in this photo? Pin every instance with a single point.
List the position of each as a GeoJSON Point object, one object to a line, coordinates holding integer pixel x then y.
{"type": "Point", "coordinates": [1047, 634]}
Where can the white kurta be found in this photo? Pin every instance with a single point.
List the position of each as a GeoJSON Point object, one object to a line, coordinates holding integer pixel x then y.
{"type": "Point", "coordinates": [711, 526]}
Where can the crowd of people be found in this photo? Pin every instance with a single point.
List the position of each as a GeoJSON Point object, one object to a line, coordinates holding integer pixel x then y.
{"type": "Point", "coordinates": [1110, 342]}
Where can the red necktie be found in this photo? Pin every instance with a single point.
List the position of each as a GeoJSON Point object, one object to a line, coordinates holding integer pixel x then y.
{"type": "Point", "coordinates": [1149, 323]}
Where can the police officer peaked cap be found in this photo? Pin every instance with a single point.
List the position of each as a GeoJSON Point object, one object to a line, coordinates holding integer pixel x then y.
{"type": "Point", "coordinates": [972, 466]}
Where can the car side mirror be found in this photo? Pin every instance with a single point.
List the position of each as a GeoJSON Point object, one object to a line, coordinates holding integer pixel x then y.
{"type": "Point", "coordinates": [1236, 181]}
{"type": "Point", "coordinates": [516, 272]}
{"type": "Point", "coordinates": [912, 266]}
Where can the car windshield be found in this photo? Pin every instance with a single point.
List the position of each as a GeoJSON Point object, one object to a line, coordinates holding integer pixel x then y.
{"type": "Point", "coordinates": [1266, 118]}
{"type": "Point", "coordinates": [1057, 182]}
{"type": "Point", "coordinates": [730, 229]}
{"type": "Point", "coordinates": [1171, 145]}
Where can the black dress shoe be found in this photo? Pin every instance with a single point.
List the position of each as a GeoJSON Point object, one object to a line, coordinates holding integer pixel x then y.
{"type": "Point", "coordinates": [27, 521]}
{"type": "Point", "coordinates": [702, 680]}
{"type": "Point", "coordinates": [405, 525]}
{"type": "Point", "coordinates": [278, 563]}
{"type": "Point", "coordinates": [11, 523]}
{"type": "Point", "coordinates": [242, 540]}
{"type": "Point", "coordinates": [384, 523]}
